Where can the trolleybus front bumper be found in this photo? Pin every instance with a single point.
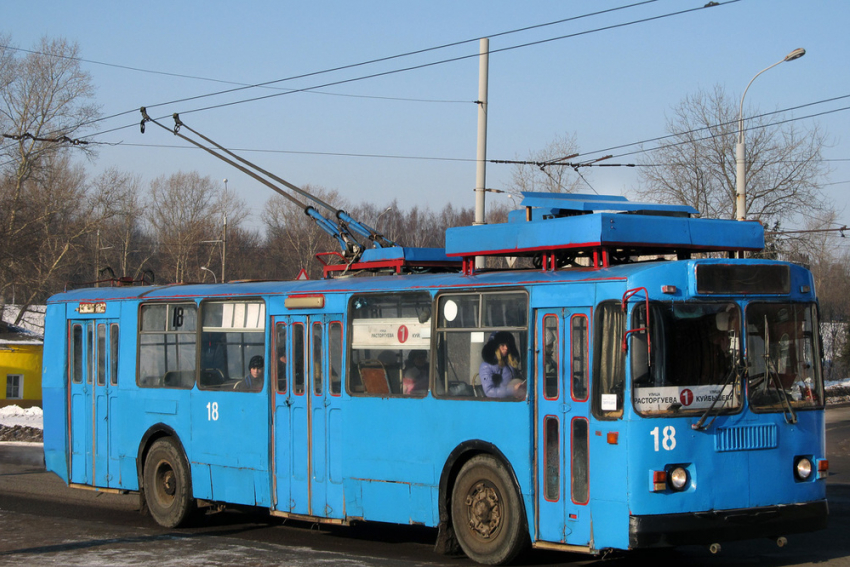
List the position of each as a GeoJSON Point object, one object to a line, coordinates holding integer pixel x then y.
{"type": "Point", "coordinates": [726, 525]}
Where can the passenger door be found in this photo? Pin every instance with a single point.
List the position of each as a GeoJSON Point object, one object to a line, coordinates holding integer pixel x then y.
{"type": "Point", "coordinates": [307, 471]}
{"type": "Point", "coordinates": [562, 340]}
{"type": "Point", "coordinates": [93, 379]}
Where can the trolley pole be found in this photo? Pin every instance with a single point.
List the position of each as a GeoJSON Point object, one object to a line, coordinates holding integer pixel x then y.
{"type": "Point", "coordinates": [481, 169]}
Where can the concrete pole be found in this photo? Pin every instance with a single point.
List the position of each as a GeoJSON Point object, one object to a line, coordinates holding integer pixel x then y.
{"type": "Point", "coordinates": [481, 169]}
{"type": "Point", "coordinates": [224, 249]}
{"type": "Point", "coordinates": [740, 147]}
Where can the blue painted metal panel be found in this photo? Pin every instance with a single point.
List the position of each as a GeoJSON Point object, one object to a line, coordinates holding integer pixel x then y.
{"type": "Point", "coordinates": [230, 433]}
{"type": "Point", "coordinates": [405, 253]}
{"type": "Point", "coordinates": [54, 392]}
{"type": "Point", "coordinates": [589, 203]}
{"type": "Point", "coordinates": [604, 229]}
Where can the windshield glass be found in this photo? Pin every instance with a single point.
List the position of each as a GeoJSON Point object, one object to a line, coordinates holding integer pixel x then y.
{"type": "Point", "coordinates": [692, 359]}
{"type": "Point", "coordinates": [783, 357]}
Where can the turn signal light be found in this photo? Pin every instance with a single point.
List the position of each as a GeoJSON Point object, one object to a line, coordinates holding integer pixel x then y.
{"type": "Point", "coordinates": [823, 468]}
{"type": "Point", "coordinates": [659, 481]}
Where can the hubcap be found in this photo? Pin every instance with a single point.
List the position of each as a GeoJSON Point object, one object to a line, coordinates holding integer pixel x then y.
{"type": "Point", "coordinates": [168, 484]}
{"type": "Point", "coordinates": [484, 508]}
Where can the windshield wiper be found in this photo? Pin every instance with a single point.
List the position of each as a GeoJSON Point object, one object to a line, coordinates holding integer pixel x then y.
{"type": "Point", "coordinates": [773, 376]}
{"type": "Point", "coordinates": [733, 377]}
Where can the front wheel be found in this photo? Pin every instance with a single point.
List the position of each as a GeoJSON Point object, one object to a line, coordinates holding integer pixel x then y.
{"type": "Point", "coordinates": [168, 486]}
{"type": "Point", "coordinates": [487, 513]}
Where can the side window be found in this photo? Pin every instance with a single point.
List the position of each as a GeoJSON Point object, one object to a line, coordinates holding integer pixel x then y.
{"type": "Point", "coordinates": [280, 356]}
{"type": "Point", "coordinates": [578, 357]}
{"type": "Point", "coordinates": [390, 343]}
{"type": "Point", "coordinates": [233, 345]}
{"type": "Point", "coordinates": [335, 351]}
{"type": "Point", "coordinates": [482, 345]}
{"type": "Point", "coordinates": [113, 354]}
{"type": "Point", "coordinates": [609, 361]}
{"type": "Point", "coordinates": [298, 358]}
{"type": "Point", "coordinates": [551, 355]}
{"type": "Point", "coordinates": [76, 351]}
{"type": "Point", "coordinates": [14, 386]}
{"type": "Point", "coordinates": [317, 358]}
{"type": "Point", "coordinates": [101, 354]}
{"type": "Point", "coordinates": [89, 351]}
{"type": "Point", "coordinates": [580, 483]}
{"type": "Point", "coordinates": [167, 345]}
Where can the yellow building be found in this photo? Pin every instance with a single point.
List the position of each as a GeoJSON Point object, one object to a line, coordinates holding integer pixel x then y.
{"type": "Point", "coordinates": [20, 367]}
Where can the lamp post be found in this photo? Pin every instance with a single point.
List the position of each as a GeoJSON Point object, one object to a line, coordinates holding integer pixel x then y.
{"type": "Point", "coordinates": [378, 218]}
{"type": "Point", "coordinates": [740, 163]}
{"type": "Point", "coordinates": [204, 268]}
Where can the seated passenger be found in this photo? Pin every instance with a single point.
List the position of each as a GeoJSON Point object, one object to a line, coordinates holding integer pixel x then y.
{"type": "Point", "coordinates": [253, 381]}
{"type": "Point", "coordinates": [499, 371]}
{"type": "Point", "coordinates": [415, 378]}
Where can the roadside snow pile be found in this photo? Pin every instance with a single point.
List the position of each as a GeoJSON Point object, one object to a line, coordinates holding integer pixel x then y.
{"type": "Point", "coordinates": [837, 391]}
{"type": "Point", "coordinates": [18, 424]}
{"type": "Point", "coordinates": [15, 415]}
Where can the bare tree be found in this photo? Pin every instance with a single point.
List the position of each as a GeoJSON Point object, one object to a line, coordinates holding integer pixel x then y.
{"type": "Point", "coordinates": [829, 263]}
{"type": "Point", "coordinates": [697, 167]}
{"type": "Point", "coordinates": [542, 174]}
{"type": "Point", "coordinates": [293, 239]}
{"type": "Point", "coordinates": [44, 97]}
{"type": "Point", "coordinates": [182, 212]}
{"type": "Point", "coordinates": [47, 96]}
{"type": "Point", "coordinates": [120, 243]}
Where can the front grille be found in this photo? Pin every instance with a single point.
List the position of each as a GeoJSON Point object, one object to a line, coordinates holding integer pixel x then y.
{"type": "Point", "coordinates": [746, 438]}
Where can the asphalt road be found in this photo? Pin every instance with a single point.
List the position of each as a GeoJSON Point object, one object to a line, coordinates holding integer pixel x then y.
{"type": "Point", "coordinates": [42, 522]}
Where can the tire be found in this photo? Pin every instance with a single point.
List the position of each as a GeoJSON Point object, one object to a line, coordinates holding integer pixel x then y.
{"type": "Point", "coordinates": [487, 514]}
{"type": "Point", "coordinates": [168, 486]}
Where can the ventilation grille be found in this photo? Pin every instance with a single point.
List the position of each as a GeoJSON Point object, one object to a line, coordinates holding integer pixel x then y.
{"type": "Point", "coordinates": [746, 438]}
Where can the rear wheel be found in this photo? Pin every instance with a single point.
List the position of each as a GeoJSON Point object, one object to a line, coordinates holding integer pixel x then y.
{"type": "Point", "coordinates": [168, 486]}
{"type": "Point", "coordinates": [487, 513]}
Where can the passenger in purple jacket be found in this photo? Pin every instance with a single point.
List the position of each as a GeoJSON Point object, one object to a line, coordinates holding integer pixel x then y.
{"type": "Point", "coordinates": [499, 372]}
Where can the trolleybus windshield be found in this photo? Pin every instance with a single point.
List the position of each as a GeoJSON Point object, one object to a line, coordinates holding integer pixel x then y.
{"type": "Point", "coordinates": [783, 358]}
{"type": "Point", "coordinates": [692, 359]}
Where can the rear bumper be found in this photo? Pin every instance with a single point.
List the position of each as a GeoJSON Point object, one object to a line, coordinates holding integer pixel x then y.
{"type": "Point", "coordinates": [726, 525]}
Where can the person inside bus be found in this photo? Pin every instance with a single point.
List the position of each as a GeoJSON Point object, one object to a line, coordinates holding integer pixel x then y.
{"type": "Point", "coordinates": [253, 381]}
{"type": "Point", "coordinates": [415, 377]}
{"type": "Point", "coordinates": [281, 371]}
{"type": "Point", "coordinates": [499, 371]}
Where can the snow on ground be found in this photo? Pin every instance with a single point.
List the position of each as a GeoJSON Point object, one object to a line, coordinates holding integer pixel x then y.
{"type": "Point", "coordinates": [15, 415]}
{"type": "Point", "coordinates": [845, 383]}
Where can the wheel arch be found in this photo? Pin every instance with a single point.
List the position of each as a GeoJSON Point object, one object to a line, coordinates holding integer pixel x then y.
{"type": "Point", "coordinates": [455, 461]}
{"type": "Point", "coordinates": [153, 434]}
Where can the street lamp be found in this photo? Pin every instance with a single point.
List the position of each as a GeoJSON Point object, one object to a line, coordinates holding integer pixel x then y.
{"type": "Point", "coordinates": [741, 181]}
{"type": "Point", "coordinates": [378, 218]}
{"type": "Point", "coordinates": [215, 280]}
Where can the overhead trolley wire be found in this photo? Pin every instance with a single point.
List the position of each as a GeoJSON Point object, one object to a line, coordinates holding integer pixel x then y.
{"type": "Point", "coordinates": [398, 56]}
{"type": "Point", "coordinates": [415, 67]}
{"type": "Point", "coordinates": [449, 60]}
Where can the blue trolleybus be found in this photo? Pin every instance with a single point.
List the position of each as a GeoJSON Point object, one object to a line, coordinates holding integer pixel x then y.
{"type": "Point", "coordinates": [620, 394]}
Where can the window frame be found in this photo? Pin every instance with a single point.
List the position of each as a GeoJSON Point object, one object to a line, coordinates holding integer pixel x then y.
{"type": "Point", "coordinates": [438, 332]}
{"type": "Point", "coordinates": [19, 386]}
{"type": "Point", "coordinates": [349, 346]}
{"type": "Point", "coordinates": [265, 321]}
{"type": "Point", "coordinates": [165, 332]}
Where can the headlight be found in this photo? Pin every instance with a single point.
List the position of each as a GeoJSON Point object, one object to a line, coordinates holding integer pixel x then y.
{"type": "Point", "coordinates": [803, 468]}
{"type": "Point", "coordinates": [678, 479]}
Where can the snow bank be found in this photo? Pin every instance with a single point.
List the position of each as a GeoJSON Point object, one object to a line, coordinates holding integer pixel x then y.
{"type": "Point", "coordinates": [15, 415]}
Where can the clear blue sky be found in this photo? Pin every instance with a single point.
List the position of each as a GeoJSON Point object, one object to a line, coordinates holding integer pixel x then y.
{"type": "Point", "coordinates": [608, 87]}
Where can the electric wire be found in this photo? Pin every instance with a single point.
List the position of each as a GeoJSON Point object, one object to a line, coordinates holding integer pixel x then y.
{"type": "Point", "coordinates": [415, 67]}
{"type": "Point", "coordinates": [452, 59]}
